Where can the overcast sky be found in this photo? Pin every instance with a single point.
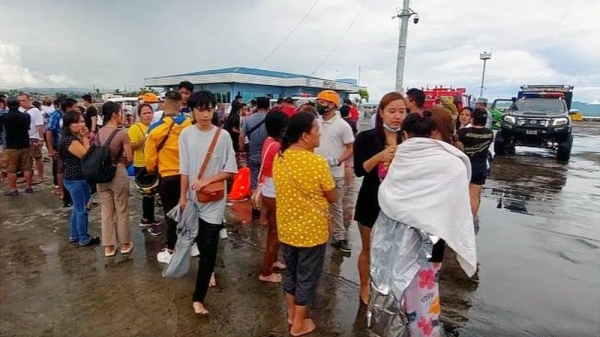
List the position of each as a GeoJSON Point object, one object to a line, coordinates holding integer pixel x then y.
{"type": "Point", "coordinates": [111, 44]}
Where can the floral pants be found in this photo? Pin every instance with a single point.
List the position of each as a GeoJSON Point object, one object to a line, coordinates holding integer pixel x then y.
{"type": "Point", "coordinates": [422, 302]}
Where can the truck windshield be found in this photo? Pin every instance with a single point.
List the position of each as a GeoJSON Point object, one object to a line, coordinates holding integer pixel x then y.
{"type": "Point", "coordinates": [540, 104]}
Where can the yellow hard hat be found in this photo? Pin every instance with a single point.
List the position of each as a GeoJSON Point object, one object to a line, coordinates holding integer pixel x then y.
{"type": "Point", "coordinates": [148, 98]}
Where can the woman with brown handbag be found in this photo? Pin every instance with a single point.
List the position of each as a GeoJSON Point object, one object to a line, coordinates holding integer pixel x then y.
{"type": "Point", "coordinates": [206, 151]}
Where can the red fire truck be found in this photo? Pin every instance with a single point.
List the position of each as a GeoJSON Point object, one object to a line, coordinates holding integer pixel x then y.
{"type": "Point", "coordinates": [433, 96]}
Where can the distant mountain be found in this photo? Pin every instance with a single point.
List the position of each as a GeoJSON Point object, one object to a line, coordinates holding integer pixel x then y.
{"type": "Point", "coordinates": [586, 109]}
{"type": "Point", "coordinates": [51, 91]}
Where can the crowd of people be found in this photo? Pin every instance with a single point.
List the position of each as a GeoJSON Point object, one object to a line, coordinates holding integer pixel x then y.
{"type": "Point", "coordinates": [422, 176]}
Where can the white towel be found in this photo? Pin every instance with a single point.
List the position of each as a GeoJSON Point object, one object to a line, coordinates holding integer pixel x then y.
{"type": "Point", "coordinates": [427, 187]}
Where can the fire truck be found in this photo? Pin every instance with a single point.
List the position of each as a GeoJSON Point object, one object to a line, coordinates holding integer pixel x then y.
{"type": "Point", "coordinates": [433, 96]}
{"type": "Point", "coordinates": [538, 118]}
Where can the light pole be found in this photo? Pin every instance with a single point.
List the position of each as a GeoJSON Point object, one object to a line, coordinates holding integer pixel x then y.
{"type": "Point", "coordinates": [484, 56]}
{"type": "Point", "coordinates": [404, 15]}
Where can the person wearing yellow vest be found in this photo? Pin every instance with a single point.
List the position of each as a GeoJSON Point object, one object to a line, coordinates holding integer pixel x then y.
{"type": "Point", "coordinates": [137, 139]}
{"type": "Point", "coordinates": [162, 155]}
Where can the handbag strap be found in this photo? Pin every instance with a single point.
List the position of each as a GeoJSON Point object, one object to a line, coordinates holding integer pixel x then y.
{"type": "Point", "coordinates": [208, 155]}
{"type": "Point", "coordinates": [262, 161]}
{"type": "Point", "coordinates": [306, 196]}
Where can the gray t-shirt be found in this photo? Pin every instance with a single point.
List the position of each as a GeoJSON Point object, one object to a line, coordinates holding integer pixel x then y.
{"type": "Point", "coordinates": [193, 145]}
{"type": "Point", "coordinates": [258, 136]}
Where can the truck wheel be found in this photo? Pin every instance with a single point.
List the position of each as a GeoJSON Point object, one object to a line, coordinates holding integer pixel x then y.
{"type": "Point", "coordinates": [563, 152]}
{"type": "Point", "coordinates": [499, 145]}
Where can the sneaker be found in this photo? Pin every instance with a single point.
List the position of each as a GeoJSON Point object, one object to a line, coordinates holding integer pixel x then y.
{"type": "Point", "coordinates": [343, 246]}
{"type": "Point", "coordinates": [195, 251]}
{"type": "Point", "coordinates": [223, 234]}
{"type": "Point", "coordinates": [29, 190]}
{"type": "Point", "coordinates": [164, 256]}
{"type": "Point", "coordinates": [146, 224]}
{"type": "Point", "coordinates": [93, 242]}
{"type": "Point", "coordinates": [155, 230]}
{"type": "Point", "coordinates": [11, 193]}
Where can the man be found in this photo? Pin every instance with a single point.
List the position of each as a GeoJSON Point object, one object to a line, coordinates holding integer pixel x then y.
{"type": "Point", "coordinates": [53, 130]}
{"type": "Point", "coordinates": [194, 145]}
{"type": "Point", "coordinates": [185, 88]}
{"type": "Point", "coordinates": [162, 154]}
{"type": "Point", "coordinates": [482, 103]}
{"type": "Point", "coordinates": [3, 159]}
{"type": "Point", "coordinates": [288, 106]}
{"type": "Point", "coordinates": [16, 126]}
{"type": "Point", "coordinates": [415, 99]}
{"type": "Point", "coordinates": [254, 128]}
{"type": "Point", "coordinates": [91, 115]}
{"type": "Point", "coordinates": [336, 145]}
{"type": "Point", "coordinates": [36, 132]}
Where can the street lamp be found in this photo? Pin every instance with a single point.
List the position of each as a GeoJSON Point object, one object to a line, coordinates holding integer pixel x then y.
{"type": "Point", "coordinates": [484, 56]}
{"type": "Point", "coordinates": [404, 15]}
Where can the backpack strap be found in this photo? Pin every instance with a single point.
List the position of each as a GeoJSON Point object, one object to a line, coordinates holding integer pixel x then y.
{"type": "Point", "coordinates": [255, 127]}
{"type": "Point", "coordinates": [164, 140]}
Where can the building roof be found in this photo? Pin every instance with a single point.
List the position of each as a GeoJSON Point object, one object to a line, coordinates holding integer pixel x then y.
{"type": "Point", "coordinates": [252, 76]}
{"type": "Point", "coordinates": [240, 70]}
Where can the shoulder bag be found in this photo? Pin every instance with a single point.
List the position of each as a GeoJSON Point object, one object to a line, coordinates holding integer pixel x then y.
{"type": "Point", "coordinates": [213, 191]}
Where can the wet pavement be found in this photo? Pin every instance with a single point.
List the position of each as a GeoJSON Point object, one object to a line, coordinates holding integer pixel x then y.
{"type": "Point", "coordinates": [538, 252]}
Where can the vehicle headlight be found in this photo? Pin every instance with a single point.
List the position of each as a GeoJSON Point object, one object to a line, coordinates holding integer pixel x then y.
{"type": "Point", "coordinates": [509, 119]}
{"type": "Point", "coordinates": [560, 121]}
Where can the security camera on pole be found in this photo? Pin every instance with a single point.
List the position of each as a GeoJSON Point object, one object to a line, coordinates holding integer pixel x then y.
{"type": "Point", "coordinates": [404, 16]}
{"type": "Point", "coordinates": [484, 56]}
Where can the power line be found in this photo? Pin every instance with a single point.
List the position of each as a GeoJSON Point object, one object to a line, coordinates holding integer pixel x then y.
{"type": "Point", "coordinates": [289, 35]}
{"type": "Point", "coordinates": [341, 39]}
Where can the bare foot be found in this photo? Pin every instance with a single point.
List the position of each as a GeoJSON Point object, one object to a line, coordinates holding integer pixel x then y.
{"type": "Point", "coordinates": [199, 308]}
{"type": "Point", "coordinates": [279, 265]}
{"type": "Point", "coordinates": [213, 280]}
{"type": "Point", "coordinates": [126, 248]}
{"type": "Point", "coordinates": [274, 278]}
{"type": "Point", "coordinates": [306, 328]}
{"type": "Point", "coordinates": [110, 251]}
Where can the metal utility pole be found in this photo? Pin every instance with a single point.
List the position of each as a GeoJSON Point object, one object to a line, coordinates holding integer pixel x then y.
{"type": "Point", "coordinates": [404, 16]}
{"type": "Point", "coordinates": [484, 56]}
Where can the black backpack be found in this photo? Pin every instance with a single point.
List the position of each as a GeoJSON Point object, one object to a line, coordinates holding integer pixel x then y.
{"type": "Point", "coordinates": [97, 165]}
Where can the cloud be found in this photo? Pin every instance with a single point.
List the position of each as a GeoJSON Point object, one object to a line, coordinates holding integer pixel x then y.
{"type": "Point", "coordinates": [14, 75]}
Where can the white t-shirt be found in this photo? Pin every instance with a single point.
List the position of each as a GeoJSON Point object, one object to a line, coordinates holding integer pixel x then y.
{"type": "Point", "coordinates": [193, 145]}
{"type": "Point", "coordinates": [37, 119]}
{"type": "Point", "coordinates": [336, 133]}
{"type": "Point", "coordinates": [374, 120]}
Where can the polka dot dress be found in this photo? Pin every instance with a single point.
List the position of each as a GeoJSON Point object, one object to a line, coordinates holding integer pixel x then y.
{"type": "Point", "coordinates": [299, 176]}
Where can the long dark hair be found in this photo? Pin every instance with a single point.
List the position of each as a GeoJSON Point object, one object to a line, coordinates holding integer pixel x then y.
{"type": "Point", "coordinates": [276, 122]}
{"type": "Point", "coordinates": [233, 120]}
{"type": "Point", "coordinates": [298, 125]}
{"type": "Point", "coordinates": [70, 117]}
{"type": "Point", "coordinates": [109, 110]}
{"type": "Point", "coordinates": [461, 110]}
{"type": "Point", "coordinates": [385, 101]}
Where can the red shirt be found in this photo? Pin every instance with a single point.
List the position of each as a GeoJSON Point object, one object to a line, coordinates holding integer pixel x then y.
{"type": "Point", "coordinates": [353, 113]}
{"type": "Point", "coordinates": [270, 148]}
{"type": "Point", "coordinates": [289, 110]}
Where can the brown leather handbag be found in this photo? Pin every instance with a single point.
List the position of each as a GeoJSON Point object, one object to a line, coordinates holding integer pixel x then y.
{"type": "Point", "coordinates": [213, 191]}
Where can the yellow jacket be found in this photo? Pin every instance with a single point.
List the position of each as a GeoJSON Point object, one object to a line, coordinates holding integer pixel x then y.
{"type": "Point", "coordinates": [167, 159]}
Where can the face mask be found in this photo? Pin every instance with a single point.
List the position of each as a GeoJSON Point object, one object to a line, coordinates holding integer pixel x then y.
{"type": "Point", "coordinates": [322, 109]}
{"type": "Point", "coordinates": [390, 129]}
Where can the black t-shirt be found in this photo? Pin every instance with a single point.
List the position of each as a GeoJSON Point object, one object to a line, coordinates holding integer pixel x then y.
{"type": "Point", "coordinates": [477, 142]}
{"type": "Point", "coordinates": [72, 162]}
{"type": "Point", "coordinates": [89, 113]}
{"type": "Point", "coordinates": [16, 125]}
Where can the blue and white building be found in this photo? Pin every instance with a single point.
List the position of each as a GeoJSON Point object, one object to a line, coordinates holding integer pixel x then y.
{"type": "Point", "coordinates": [250, 83]}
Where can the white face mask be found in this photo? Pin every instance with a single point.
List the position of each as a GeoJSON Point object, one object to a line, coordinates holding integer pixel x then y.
{"type": "Point", "coordinates": [390, 129]}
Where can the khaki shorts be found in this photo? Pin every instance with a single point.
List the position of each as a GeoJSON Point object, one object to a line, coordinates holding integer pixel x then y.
{"type": "Point", "coordinates": [18, 160]}
{"type": "Point", "coordinates": [3, 162]}
{"type": "Point", "coordinates": [36, 150]}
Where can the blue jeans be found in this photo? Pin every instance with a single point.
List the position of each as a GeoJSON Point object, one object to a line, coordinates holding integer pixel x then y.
{"type": "Point", "coordinates": [254, 171]}
{"type": "Point", "coordinates": [81, 194]}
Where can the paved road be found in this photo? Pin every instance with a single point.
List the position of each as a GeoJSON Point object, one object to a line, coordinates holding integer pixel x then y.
{"type": "Point", "coordinates": [538, 251]}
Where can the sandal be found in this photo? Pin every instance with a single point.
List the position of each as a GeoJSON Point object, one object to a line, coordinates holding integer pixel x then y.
{"type": "Point", "coordinates": [110, 251]}
{"type": "Point", "coordinates": [128, 249]}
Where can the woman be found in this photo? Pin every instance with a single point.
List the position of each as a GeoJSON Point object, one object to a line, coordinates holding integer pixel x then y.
{"type": "Point", "coordinates": [275, 122]}
{"type": "Point", "coordinates": [464, 118]}
{"type": "Point", "coordinates": [114, 196]}
{"type": "Point", "coordinates": [74, 144]}
{"type": "Point", "coordinates": [137, 137]}
{"type": "Point", "coordinates": [233, 125]}
{"type": "Point", "coordinates": [373, 152]}
{"type": "Point", "coordinates": [424, 206]}
{"type": "Point", "coordinates": [304, 188]}
{"type": "Point", "coordinates": [477, 139]}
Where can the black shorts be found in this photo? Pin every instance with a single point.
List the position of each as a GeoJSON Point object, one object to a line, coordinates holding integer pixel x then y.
{"type": "Point", "coordinates": [303, 271]}
{"type": "Point", "coordinates": [479, 173]}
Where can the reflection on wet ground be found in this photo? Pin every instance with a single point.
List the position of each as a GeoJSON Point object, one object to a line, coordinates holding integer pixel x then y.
{"type": "Point", "coordinates": [538, 252]}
